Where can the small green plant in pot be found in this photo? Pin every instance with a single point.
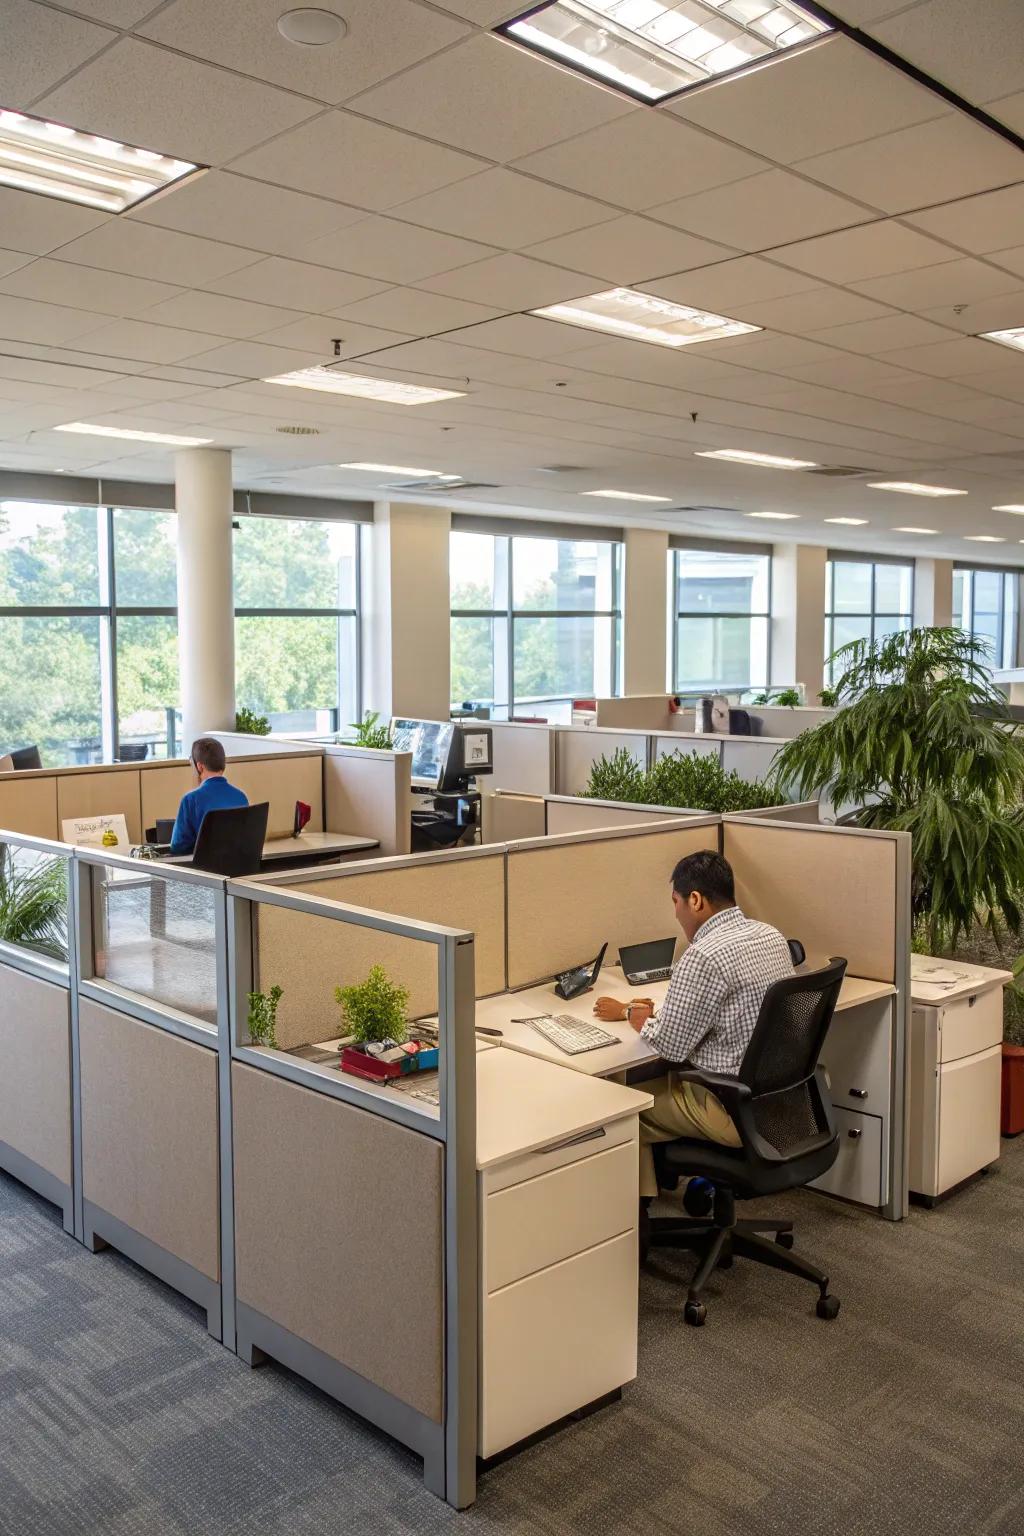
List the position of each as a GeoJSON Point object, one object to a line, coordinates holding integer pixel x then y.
{"type": "Point", "coordinates": [262, 1019]}
{"type": "Point", "coordinates": [373, 1010]}
{"type": "Point", "coordinates": [369, 732]}
{"type": "Point", "coordinates": [249, 723]}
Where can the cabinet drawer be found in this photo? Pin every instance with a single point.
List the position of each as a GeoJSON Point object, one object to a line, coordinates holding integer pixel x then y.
{"type": "Point", "coordinates": [856, 1173]}
{"type": "Point", "coordinates": [547, 1219]}
{"type": "Point", "coordinates": [559, 1154]}
{"type": "Point", "coordinates": [857, 1055]}
{"type": "Point", "coordinates": [969, 1094]}
{"type": "Point", "coordinates": [555, 1342]}
{"type": "Point", "coordinates": [973, 1024]}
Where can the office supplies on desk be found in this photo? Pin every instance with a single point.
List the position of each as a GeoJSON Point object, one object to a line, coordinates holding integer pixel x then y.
{"type": "Point", "coordinates": [580, 979]}
{"type": "Point", "coordinates": [644, 963]}
{"type": "Point", "coordinates": [571, 1035]}
{"type": "Point", "coordinates": [302, 814]}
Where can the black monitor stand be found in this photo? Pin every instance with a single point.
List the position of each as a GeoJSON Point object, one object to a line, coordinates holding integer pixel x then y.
{"type": "Point", "coordinates": [448, 818]}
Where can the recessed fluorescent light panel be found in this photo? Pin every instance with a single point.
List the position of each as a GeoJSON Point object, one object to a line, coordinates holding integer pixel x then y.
{"type": "Point", "coordinates": [656, 48]}
{"type": "Point", "coordinates": [1011, 338]}
{"type": "Point", "coordinates": [626, 495]}
{"type": "Point", "coordinates": [911, 488]}
{"type": "Point", "coordinates": [365, 388]}
{"type": "Point", "coordinates": [848, 522]}
{"type": "Point", "coordinates": [40, 156]}
{"type": "Point", "coordinates": [399, 469]}
{"type": "Point", "coordinates": [170, 440]}
{"type": "Point", "coordinates": [742, 456]}
{"type": "Point", "coordinates": [914, 530]}
{"type": "Point", "coordinates": [985, 538]}
{"type": "Point", "coordinates": [642, 317]}
{"type": "Point", "coordinates": [775, 517]}
{"type": "Point", "coordinates": [1012, 506]}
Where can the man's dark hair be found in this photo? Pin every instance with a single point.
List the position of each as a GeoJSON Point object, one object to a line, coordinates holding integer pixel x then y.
{"type": "Point", "coordinates": [707, 873]}
{"type": "Point", "coordinates": [210, 754]}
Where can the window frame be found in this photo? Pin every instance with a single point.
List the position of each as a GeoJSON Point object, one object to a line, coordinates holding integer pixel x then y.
{"type": "Point", "coordinates": [717, 547]}
{"type": "Point", "coordinates": [851, 557]}
{"type": "Point", "coordinates": [1005, 573]}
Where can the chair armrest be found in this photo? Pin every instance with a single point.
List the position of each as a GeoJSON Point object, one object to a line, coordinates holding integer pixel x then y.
{"type": "Point", "coordinates": [730, 1090]}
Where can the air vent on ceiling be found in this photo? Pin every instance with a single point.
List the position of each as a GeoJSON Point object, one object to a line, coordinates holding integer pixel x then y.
{"type": "Point", "coordinates": [299, 431]}
{"type": "Point", "coordinates": [434, 487]}
{"type": "Point", "coordinates": [562, 469]}
{"type": "Point", "coordinates": [841, 471]}
{"type": "Point", "coordinates": [730, 511]}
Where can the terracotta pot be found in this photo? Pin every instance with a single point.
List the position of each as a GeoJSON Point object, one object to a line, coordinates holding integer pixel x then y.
{"type": "Point", "coordinates": [1013, 1090]}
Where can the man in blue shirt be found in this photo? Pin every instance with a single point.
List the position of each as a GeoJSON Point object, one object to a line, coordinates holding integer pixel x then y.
{"type": "Point", "coordinates": [214, 794]}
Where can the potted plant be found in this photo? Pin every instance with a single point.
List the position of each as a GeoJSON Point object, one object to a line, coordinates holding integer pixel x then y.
{"type": "Point", "coordinates": [680, 780]}
{"type": "Point", "coordinates": [788, 698]}
{"type": "Point", "coordinates": [262, 1018]}
{"type": "Point", "coordinates": [249, 723]}
{"type": "Point", "coordinates": [369, 733]}
{"type": "Point", "coordinates": [33, 903]}
{"type": "Point", "coordinates": [373, 1018]}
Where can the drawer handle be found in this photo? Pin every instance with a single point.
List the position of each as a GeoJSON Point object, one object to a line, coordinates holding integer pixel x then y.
{"type": "Point", "coordinates": [574, 1141]}
{"type": "Point", "coordinates": [855, 1135]}
{"type": "Point", "coordinates": [858, 1093]}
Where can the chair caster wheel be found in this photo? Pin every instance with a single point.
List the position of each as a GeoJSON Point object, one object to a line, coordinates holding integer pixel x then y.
{"type": "Point", "coordinates": [784, 1239]}
{"type": "Point", "coordinates": [695, 1313]}
{"type": "Point", "coordinates": [828, 1307]}
{"type": "Point", "coordinates": [699, 1198]}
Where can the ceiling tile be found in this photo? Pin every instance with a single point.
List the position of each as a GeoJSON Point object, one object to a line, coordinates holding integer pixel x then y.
{"type": "Point", "coordinates": [503, 209]}
{"type": "Point", "coordinates": [219, 315]}
{"type": "Point", "coordinates": [976, 47]}
{"type": "Point", "coordinates": [524, 336]}
{"type": "Point", "coordinates": [63, 375]}
{"type": "Point", "coordinates": [952, 282]}
{"type": "Point", "coordinates": [1007, 382]}
{"type": "Point", "coordinates": [222, 206]}
{"type": "Point", "coordinates": [482, 13]}
{"type": "Point", "coordinates": [859, 12]}
{"type": "Point", "coordinates": [11, 261]}
{"type": "Point", "coordinates": [23, 320]}
{"type": "Point", "coordinates": [996, 314]}
{"type": "Point", "coordinates": [41, 224]}
{"type": "Point", "coordinates": [243, 35]}
{"type": "Point", "coordinates": [767, 352]}
{"type": "Point", "coordinates": [880, 336]}
{"type": "Point", "coordinates": [294, 285]}
{"type": "Point", "coordinates": [1009, 110]}
{"type": "Point", "coordinates": [163, 255]}
{"type": "Point", "coordinates": [831, 95]}
{"type": "Point", "coordinates": [393, 252]}
{"type": "Point", "coordinates": [954, 359]}
{"type": "Point", "coordinates": [40, 47]}
{"type": "Point", "coordinates": [810, 311]}
{"type": "Point", "coordinates": [145, 95]}
{"type": "Point", "coordinates": [354, 161]}
{"type": "Point", "coordinates": [640, 160]}
{"type": "Point", "coordinates": [451, 98]}
{"type": "Point", "coordinates": [256, 360]}
{"type": "Point", "coordinates": [982, 223]}
{"type": "Point", "coordinates": [870, 250]}
{"type": "Point", "coordinates": [116, 13]}
{"type": "Point", "coordinates": [415, 312]}
{"type": "Point", "coordinates": [725, 284]}
{"type": "Point", "coordinates": [763, 211]}
{"type": "Point", "coordinates": [947, 158]}
{"type": "Point", "coordinates": [861, 375]}
{"type": "Point", "coordinates": [510, 282]}
{"type": "Point", "coordinates": [89, 288]}
{"type": "Point", "coordinates": [1011, 261]}
{"type": "Point", "coordinates": [146, 343]}
{"type": "Point", "coordinates": [202, 378]}
{"type": "Point", "coordinates": [317, 334]}
{"type": "Point", "coordinates": [629, 250]}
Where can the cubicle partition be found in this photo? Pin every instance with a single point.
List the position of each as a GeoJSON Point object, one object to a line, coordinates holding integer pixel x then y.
{"type": "Point", "coordinates": [369, 792]}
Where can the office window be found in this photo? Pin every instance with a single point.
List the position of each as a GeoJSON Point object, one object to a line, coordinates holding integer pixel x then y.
{"type": "Point", "coordinates": [296, 622]}
{"type": "Point", "coordinates": [985, 604]}
{"type": "Point", "coordinates": [535, 622]}
{"type": "Point", "coordinates": [865, 600]}
{"type": "Point", "coordinates": [145, 637]}
{"type": "Point", "coordinates": [722, 619]}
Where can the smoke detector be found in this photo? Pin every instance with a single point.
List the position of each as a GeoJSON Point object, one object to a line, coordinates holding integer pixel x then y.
{"type": "Point", "coordinates": [311, 27]}
{"type": "Point", "coordinates": [299, 431]}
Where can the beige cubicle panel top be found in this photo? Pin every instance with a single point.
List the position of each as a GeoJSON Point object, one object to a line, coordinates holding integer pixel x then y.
{"type": "Point", "coordinates": [28, 804]}
{"type": "Point", "coordinates": [102, 792]}
{"type": "Point", "coordinates": [369, 793]}
{"type": "Point", "coordinates": [836, 889]}
{"type": "Point", "coordinates": [578, 748]}
{"type": "Point", "coordinates": [571, 814]}
{"type": "Point", "coordinates": [568, 897]}
{"type": "Point", "coordinates": [162, 788]}
{"type": "Point", "coordinates": [522, 756]}
{"type": "Point", "coordinates": [508, 816]}
{"type": "Point", "coordinates": [283, 780]}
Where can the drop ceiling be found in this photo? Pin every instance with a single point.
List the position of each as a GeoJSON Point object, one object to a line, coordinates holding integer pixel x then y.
{"type": "Point", "coordinates": [414, 190]}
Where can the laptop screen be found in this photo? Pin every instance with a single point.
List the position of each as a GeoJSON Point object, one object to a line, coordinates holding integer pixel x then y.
{"type": "Point", "coordinates": [653, 956]}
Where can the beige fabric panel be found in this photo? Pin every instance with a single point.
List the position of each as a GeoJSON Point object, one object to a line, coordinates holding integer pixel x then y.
{"type": "Point", "coordinates": [370, 793]}
{"type": "Point", "coordinates": [507, 818]}
{"type": "Point", "coordinates": [565, 901]}
{"type": "Point", "coordinates": [106, 792]}
{"type": "Point", "coordinates": [592, 816]}
{"type": "Point", "coordinates": [282, 780]}
{"type": "Point", "coordinates": [635, 712]}
{"type": "Point", "coordinates": [801, 810]}
{"type": "Point", "coordinates": [339, 1233]}
{"type": "Point", "coordinates": [162, 789]}
{"type": "Point", "coordinates": [150, 1133]}
{"type": "Point", "coordinates": [522, 757]}
{"type": "Point", "coordinates": [833, 890]}
{"type": "Point", "coordinates": [35, 1078]}
{"type": "Point", "coordinates": [28, 804]}
{"type": "Point", "coordinates": [579, 749]}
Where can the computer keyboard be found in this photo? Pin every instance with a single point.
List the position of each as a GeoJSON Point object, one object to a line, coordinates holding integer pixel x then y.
{"type": "Point", "coordinates": [572, 1036]}
{"type": "Point", "coordinates": [641, 978]}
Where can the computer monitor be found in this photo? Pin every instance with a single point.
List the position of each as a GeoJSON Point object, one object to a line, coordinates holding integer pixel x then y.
{"type": "Point", "coordinates": [429, 741]}
{"type": "Point", "coordinates": [470, 753]}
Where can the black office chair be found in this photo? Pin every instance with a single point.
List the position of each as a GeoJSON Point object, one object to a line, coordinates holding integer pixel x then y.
{"type": "Point", "coordinates": [230, 842]}
{"type": "Point", "coordinates": [26, 758]}
{"type": "Point", "coordinates": [781, 1108]}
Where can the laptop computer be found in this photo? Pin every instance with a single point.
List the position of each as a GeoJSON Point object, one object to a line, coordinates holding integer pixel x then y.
{"type": "Point", "coordinates": [644, 963]}
{"type": "Point", "coordinates": [581, 978]}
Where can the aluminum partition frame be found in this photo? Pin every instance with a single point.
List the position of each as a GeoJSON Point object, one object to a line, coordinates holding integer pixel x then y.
{"type": "Point", "coordinates": [448, 1450]}
{"type": "Point", "coordinates": [59, 974]}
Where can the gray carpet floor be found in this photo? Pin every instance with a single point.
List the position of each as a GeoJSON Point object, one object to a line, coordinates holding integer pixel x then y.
{"type": "Point", "coordinates": [119, 1416]}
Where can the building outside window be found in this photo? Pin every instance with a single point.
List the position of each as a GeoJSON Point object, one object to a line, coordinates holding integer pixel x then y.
{"type": "Point", "coordinates": [722, 623]}
{"type": "Point", "coordinates": [535, 622]}
{"type": "Point", "coordinates": [985, 604]}
{"type": "Point", "coordinates": [865, 600]}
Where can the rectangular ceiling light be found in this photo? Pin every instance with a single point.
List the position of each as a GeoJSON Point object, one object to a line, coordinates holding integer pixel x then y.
{"type": "Point", "coordinates": [170, 440]}
{"type": "Point", "coordinates": [400, 469]}
{"type": "Point", "coordinates": [775, 517]}
{"type": "Point", "coordinates": [626, 495]}
{"type": "Point", "coordinates": [985, 538]}
{"type": "Point", "coordinates": [1011, 338]}
{"type": "Point", "coordinates": [1011, 506]}
{"type": "Point", "coordinates": [914, 530]}
{"type": "Point", "coordinates": [642, 317]}
{"type": "Point", "coordinates": [848, 522]}
{"type": "Point", "coordinates": [911, 488]}
{"type": "Point", "coordinates": [40, 156]}
{"type": "Point", "coordinates": [743, 456]}
{"type": "Point", "coordinates": [656, 48]}
{"type": "Point", "coordinates": [365, 388]}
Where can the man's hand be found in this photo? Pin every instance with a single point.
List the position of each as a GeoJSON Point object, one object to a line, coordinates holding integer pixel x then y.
{"type": "Point", "coordinates": [610, 1010]}
{"type": "Point", "coordinates": [638, 1011]}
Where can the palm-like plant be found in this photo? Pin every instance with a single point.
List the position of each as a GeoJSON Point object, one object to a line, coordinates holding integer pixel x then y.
{"type": "Point", "coordinates": [33, 903]}
{"type": "Point", "coordinates": [923, 743]}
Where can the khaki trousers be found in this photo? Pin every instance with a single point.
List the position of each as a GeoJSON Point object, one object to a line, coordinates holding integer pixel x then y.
{"type": "Point", "coordinates": [680, 1109]}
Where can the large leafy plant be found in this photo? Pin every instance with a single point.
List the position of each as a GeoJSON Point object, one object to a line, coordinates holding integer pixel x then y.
{"type": "Point", "coordinates": [680, 780]}
{"type": "Point", "coordinates": [922, 742]}
{"type": "Point", "coordinates": [374, 1009]}
{"type": "Point", "coordinates": [33, 903]}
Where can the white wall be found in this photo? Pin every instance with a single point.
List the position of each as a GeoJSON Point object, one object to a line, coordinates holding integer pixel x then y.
{"type": "Point", "coordinates": [798, 616]}
{"type": "Point", "coordinates": [933, 592]}
{"type": "Point", "coordinates": [645, 647]}
{"type": "Point", "coordinates": [406, 612]}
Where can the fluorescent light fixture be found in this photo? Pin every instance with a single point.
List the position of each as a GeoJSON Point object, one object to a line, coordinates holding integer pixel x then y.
{"type": "Point", "coordinates": [985, 538]}
{"type": "Point", "coordinates": [778, 517]}
{"type": "Point", "coordinates": [626, 495]}
{"type": "Point", "coordinates": [911, 488]}
{"type": "Point", "coordinates": [848, 522]}
{"type": "Point", "coordinates": [743, 456]}
{"type": "Point", "coordinates": [915, 530]}
{"type": "Point", "coordinates": [657, 48]}
{"type": "Point", "coordinates": [365, 388]}
{"type": "Point", "coordinates": [400, 469]}
{"type": "Point", "coordinates": [642, 317]}
{"type": "Point", "coordinates": [169, 439]}
{"type": "Point", "coordinates": [1014, 337]}
{"type": "Point", "coordinates": [40, 156]}
{"type": "Point", "coordinates": [1011, 506]}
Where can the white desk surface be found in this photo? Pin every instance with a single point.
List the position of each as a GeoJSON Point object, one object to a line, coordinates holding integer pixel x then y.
{"type": "Point", "coordinates": [523, 1104]}
{"type": "Point", "coordinates": [317, 844]}
{"type": "Point", "coordinates": [631, 1050]}
{"type": "Point", "coordinates": [971, 979]}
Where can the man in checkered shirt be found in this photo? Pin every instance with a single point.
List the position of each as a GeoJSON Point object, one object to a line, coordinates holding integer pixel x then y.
{"type": "Point", "coordinates": [710, 1009]}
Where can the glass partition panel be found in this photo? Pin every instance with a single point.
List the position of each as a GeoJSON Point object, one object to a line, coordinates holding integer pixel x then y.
{"type": "Point", "coordinates": [156, 936]}
{"type": "Point", "coordinates": [34, 901]}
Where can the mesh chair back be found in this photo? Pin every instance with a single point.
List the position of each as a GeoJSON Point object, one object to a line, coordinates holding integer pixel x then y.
{"type": "Point", "coordinates": [779, 1062]}
{"type": "Point", "coordinates": [230, 842]}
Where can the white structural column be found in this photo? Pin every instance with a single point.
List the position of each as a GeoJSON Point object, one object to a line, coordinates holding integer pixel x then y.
{"type": "Point", "coordinates": [798, 616]}
{"type": "Point", "coordinates": [933, 593]}
{"type": "Point", "coordinates": [645, 632]}
{"type": "Point", "coordinates": [206, 604]}
{"type": "Point", "coordinates": [407, 612]}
